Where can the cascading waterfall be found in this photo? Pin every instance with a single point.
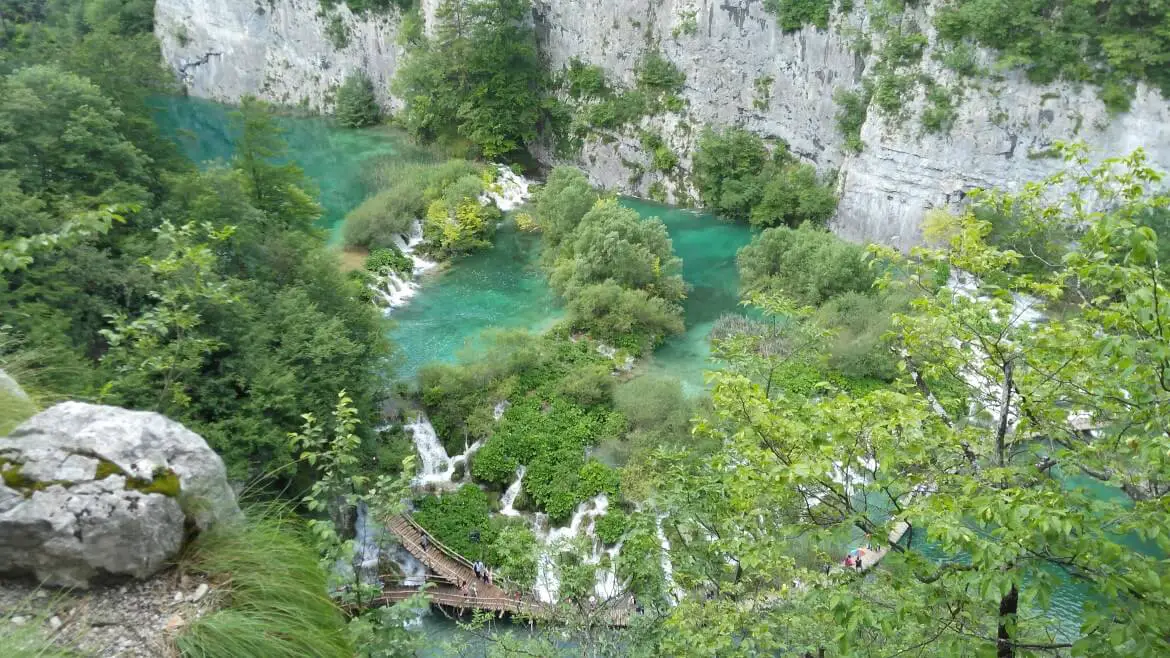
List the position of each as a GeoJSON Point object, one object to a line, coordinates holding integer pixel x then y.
{"type": "Point", "coordinates": [393, 289]}
{"type": "Point", "coordinates": [555, 540]}
{"type": "Point", "coordinates": [509, 497]}
{"type": "Point", "coordinates": [437, 469]}
{"type": "Point", "coordinates": [373, 544]}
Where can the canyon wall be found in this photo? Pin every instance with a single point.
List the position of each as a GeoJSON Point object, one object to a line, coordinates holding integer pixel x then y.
{"type": "Point", "coordinates": [741, 69]}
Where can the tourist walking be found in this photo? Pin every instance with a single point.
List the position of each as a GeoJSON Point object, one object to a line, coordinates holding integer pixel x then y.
{"type": "Point", "coordinates": [426, 543]}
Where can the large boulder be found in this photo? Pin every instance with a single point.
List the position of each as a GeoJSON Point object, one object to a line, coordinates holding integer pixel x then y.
{"type": "Point", "coordinates": [91, 491]}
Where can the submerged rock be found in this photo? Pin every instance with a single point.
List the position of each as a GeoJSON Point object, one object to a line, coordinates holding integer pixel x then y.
{"type": "Point", "coordinates": [91, 491]}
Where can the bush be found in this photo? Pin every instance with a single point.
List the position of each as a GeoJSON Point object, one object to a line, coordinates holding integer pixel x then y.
{"type": "Point", "coordinates": [629, 319]}
{"type": "Point", "coordinates": [411, 190]}
{"type": "Point", "coordinates": [795, 14]}
{"type": "Point", "coordinates": [611, 526]}
{"type": "Point", "coordinates": [737, 178]}
{"type": "Point", "coordinates": [656, 73]}
{"type": "Point", "coordinates": [853, 104]}
{"type": "Point", "coordinates": [356, 106]}
{"type": "Point", "coordinates": [806, 264]}
{"type": "Point", "coordinates": [859, 348]}
{"type": "Point", "coordinates": [562, 202]}
{"type": "Point", "coordinates": [727, 165]}
{"type": "Point", "coordinates": [792, 196]}
{"type": "Point", "coordinates": [614, 243]}
{"type": "Point", "coordinates": [453, 517]}
{"type": "Point", "coordinates": [390, 259]}
{"type": "Point", "coordinates": [597, 478]}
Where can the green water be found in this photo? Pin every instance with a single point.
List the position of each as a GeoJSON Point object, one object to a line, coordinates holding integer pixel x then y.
{"type": "Point", "coordinates": [335, 159]}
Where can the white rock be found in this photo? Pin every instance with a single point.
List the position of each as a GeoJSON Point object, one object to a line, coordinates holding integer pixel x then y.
{"type": "Point", "coordinates": [73, 527]}
{"type": "Point", "coordinates": [199, 592]}
{"type": "Point", "coordinates": [17, 620]}
{"type": "Point", "coordinates": [55, 622]}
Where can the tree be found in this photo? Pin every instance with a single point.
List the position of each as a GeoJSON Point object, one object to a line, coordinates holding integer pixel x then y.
{"type": "Point", "coordinates": [561, 203]}
{"type": "Point", "coordinates": [357, 107]}
{"type": "Point", "coordinates": [727, 165]}
{"type": "Point", "coordinates": [479, 79]}
{"type": "Point", "coordinates": [1054, 475]}
{"type": "Point", "coordinates": [614, 243]}
{"type": "Point", "coordinates": [807, 264]}
{"type": "Point", "coordinates": [279, 190]}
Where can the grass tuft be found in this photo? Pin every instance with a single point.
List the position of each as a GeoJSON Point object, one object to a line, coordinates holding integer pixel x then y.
{"type": "Point", "coordinates": [277, 601]}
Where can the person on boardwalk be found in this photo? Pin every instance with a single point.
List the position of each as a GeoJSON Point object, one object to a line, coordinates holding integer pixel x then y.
{"type": "Point", "coordinates": [475, 568]}
{"type": "Point", "coordinates": [426, 542]}
{"type": "Point", "coordinates": [474, 591]}
{"type": "Point", "coordinates": [489, 577]}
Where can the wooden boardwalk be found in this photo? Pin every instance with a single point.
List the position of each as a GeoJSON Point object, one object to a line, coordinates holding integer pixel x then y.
{"type": "Point", "coordinates": [451, 570]}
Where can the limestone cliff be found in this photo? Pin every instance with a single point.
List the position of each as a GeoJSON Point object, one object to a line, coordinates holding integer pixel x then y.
{"type": "Point", "coordinates": [740, 69]}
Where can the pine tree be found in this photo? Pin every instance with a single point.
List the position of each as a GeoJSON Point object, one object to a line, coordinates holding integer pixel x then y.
{"type": "Point", "coordinates": [356, 106]}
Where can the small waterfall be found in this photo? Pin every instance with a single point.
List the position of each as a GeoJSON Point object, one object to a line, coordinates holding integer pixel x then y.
{"type": "Point", "coordinates": [373, 545]}
{"type": "Point", "coordinates": [554, 539]}
{"type": "Point", "coordinates": [499, 409]}
{"type": "Point", "coordinates": [509, 191]}
{"type": "Point", "coordinates": [667, 568]}
{"type": "Point", "coordinates": [509, 497]}
{"type": "Point", "coordinates": [437, 468]}
{"type": "Point", "coordinates": [394, 289]}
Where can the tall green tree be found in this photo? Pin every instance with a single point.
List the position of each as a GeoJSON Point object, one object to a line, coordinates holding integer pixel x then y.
{"type": "Point", "coordinates": [277, 188]}
{"type": "Point", "coordinates": [1057, 475]}
{"type": "Point", "coordinates": [479, 79]}
{"type": "Point", "coordinates": [357, 107]}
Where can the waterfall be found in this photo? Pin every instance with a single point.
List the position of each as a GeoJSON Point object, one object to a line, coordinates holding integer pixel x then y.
{"type": "Point", "coordinates": [509, 497]}
{"type": "Point", "coordinates": [554, 540]}
{"type": "Point", "coordinates": [437, 468]}
{"type": "Point", "coordinates": [372, 544]}
{"type": "Point", "coordinates": [509, 191]}
{"type": "Point", "coordinates": [499, 409]}
{"type": "Point", "coordinates": [667, 568]}
{"type": "Point", "coordinates": [393, 290]}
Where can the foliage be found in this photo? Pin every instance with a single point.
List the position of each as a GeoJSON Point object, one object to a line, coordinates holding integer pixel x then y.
{"type": "Point", "coordinates": [458, 222]}
{"type": "Point", "coordinates": [276, 594]}
{"type": "Point", "coordinates": [853, 104]}
{"type": "Point", "coordinates": [795, 14]}
{"type": "Point", "coordinates": [336, 31]}
{"type": "Point", "coordinates": [1012, 495]}
{"type": "Point", "coordinates": [1077, 40]}
{"type": "Point", "coordinates": [808, 264]}
{"type": "Point", "coordinates": [622, 317]}
{"type": "Point", "coordinates": [611, 526]}
{"type": "Point", "coordinates": [513, 553]}
{"type": "Point", "coordinates": [386, 217]}
{"type": "Point", "coordinates": [561, 203]}
{"type": "Point", "coordinates": [454, 518]}
{"type": "Point", "coordinates": [390, 259]}
{"type": "Point", "coordinates": [613, 243]}
{"type": "Point", "coordinates": [736, 177]}
{"type": "Point", "coordinates": [479, 78]}
{"type": "Point", "coordinates": [581, 80]}
{"type": "Point", "coordinates": [940, 112]}
{"type": "Point", "coordinates": [231, 317]}
{"type": "Point", "coordinates": [661, 157]}
{"type": "Point", "coordinates": [656, 73]}
{"type": "Point", "coordinates": [356, 105]}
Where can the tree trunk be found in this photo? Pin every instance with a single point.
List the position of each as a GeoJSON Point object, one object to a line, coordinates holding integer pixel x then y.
{"type": "Point", "coordinates": [1005, 402]}
{"type": "Point", "coordinates": [1008, 605]}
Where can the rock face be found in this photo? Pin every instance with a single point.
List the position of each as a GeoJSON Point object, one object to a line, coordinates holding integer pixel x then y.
{"type": "Point", "coordinates": [741, 69]}
{"type": "Point", "coordinates": [93, 491]}
{"type": "Point", "coordinates": [279, 50]}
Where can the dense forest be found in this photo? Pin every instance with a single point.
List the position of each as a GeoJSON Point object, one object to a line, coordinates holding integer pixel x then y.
{"type": "Point", "coordinates": [983, 417]}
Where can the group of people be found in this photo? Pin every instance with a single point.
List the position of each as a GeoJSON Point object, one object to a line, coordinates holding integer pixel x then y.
{"type": "Point", "coordinates": [482, 572]}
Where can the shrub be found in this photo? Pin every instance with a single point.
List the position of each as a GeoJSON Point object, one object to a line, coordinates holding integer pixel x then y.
{"type": "Point", "coordinates": [940, 111]}
{"type": "Point", "coordinates": [562, 202]}
{"type": "Point", "coordinates": [389, 259]}
{"type": "Point", "coordinates": [806, 264]}
{"type": "Point", "coordinates": [794, 195]}
{"type": "Point", "coordinates": [656, 73]}
{"type": "Point", "coordinates": [611, 526]}
{"type": "Point", "coordinates": [453, 518]}
{"type": "Point", "coordinates": [629, 319]}
{"type": "Point", "coordinates": [356, 106]}
{"type": "Point", "coordinates": [795, 14]}
{"type": "Point", "coordinates": [727, 165]}
{"type": "Point", "coordinates": [598, 478]}
{"type": "Point", "coordinates": [853, 104]}
{"type": "Point", "coordinates": [336, 31]}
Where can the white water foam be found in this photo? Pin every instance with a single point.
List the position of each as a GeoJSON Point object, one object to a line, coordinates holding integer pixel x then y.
{"type": "Point", "coordinates": [509, 497]}
{"type": "Point", "coordinates": [509, 191]}
{"type": "Point", "coordinates": [437, 469]}
{"type": "Point", "coordinates": [556, 540]}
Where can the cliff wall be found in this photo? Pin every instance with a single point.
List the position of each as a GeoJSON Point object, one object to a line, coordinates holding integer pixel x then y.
{"type": "Point", "coordinates": [740, 68]}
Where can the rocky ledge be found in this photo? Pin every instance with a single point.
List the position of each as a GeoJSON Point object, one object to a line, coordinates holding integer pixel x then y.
{"type": "Point", "coordinates": [91, 493]}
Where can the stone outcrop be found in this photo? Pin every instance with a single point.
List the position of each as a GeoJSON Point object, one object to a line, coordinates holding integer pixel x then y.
{"type": "Point", "coordinates": [92, 491]}
{"type": "Point", "coordinates": [741, 69]}
{"type": "Point", "coordinates": [279, 50]}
